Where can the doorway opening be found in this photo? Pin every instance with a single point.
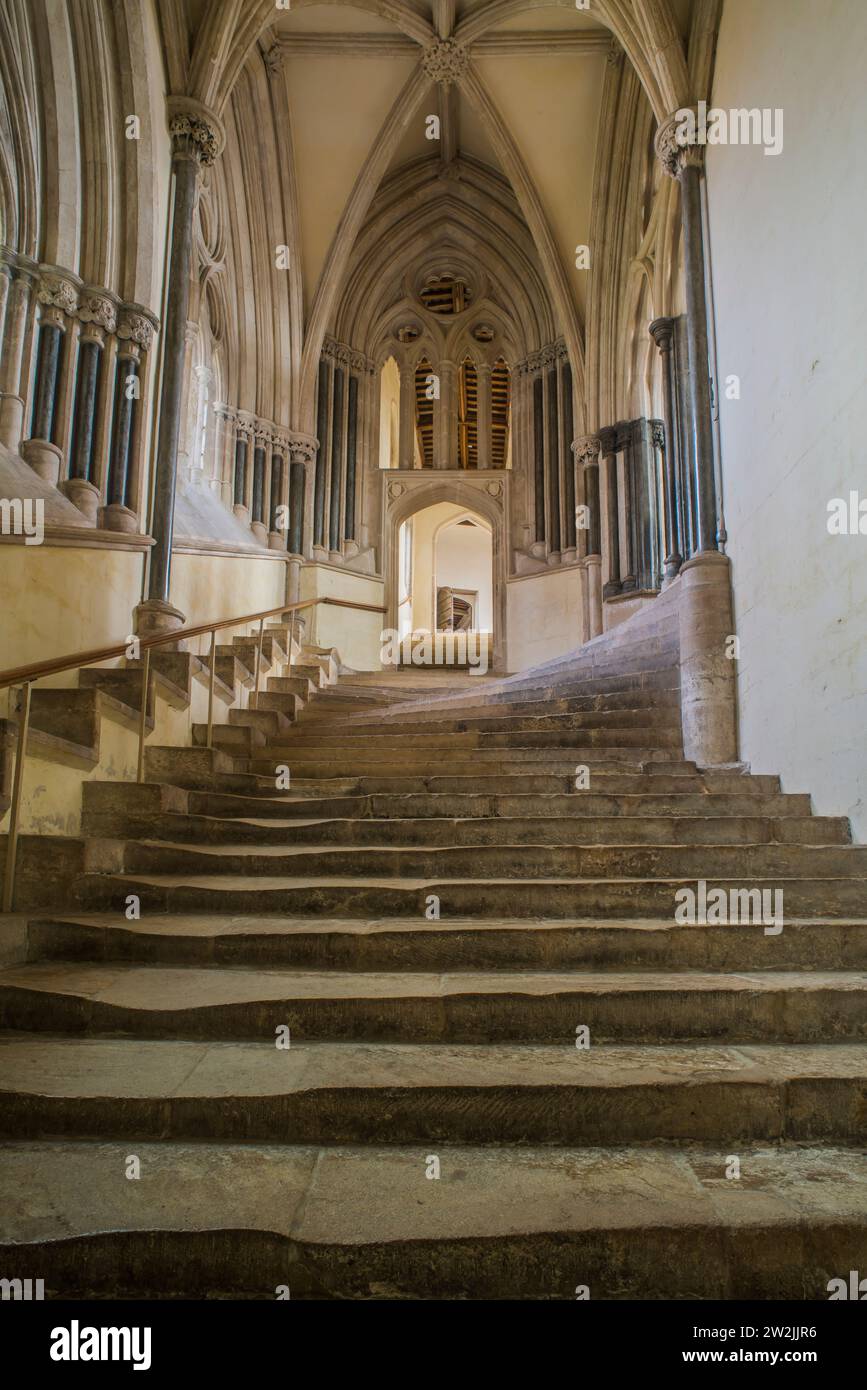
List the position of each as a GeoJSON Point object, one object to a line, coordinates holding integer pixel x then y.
{"type": "Point", "coordinates": [445, 598]}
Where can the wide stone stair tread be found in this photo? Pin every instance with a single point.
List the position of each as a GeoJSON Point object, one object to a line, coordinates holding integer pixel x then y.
{"type": "Point", "coordinates": [459, 1006]}
{"type": "Point", "coordinates": [322, 1092]}
{"type": "Point", "coordinates": [345, 1221]}
{"type": "Point", "coordinates": [456, 943]}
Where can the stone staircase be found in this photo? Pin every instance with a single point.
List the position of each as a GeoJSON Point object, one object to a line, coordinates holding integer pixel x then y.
{"type": "Point", "coordinates": [466, 881]}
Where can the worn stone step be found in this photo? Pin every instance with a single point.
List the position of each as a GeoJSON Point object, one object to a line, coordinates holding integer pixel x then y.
{"type": "Point", "coordinates": [522, 784]}
{"type": "Point", "coordinates": [655, 718]}
{"type": "Point", "coordinates": [482, 897]}
{"type": "Point", "coordinates": [460, 1007]}
{"type": "Point", "coordinates": [565, 829]}
{"type": "Point", "coordinates": [455, 944]}
{"type": "Point", "coordinates": [432, 804]}
{"type": "Point", "coordinates": [239, 740]}
{"type": "Point", "coordinates": [366, 1222]}
{"type": "Point", "coordinates": [362, 1093]}
{"type": "Point", "coordinates": [520, 860]}
{"type": "Point", "coordinates": [648, 702]}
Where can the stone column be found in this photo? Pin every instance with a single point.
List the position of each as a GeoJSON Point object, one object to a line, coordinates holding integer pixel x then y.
{"type": "Point", "coordinates": [537, 433]}
{"type": "Point", "coordinates": [406, 418]}
{"type": "Point", "coordinates": [57, 296]}
{"type": "Point", "coordinates": [684, 162]}
{"type": "Point", "coordinates": [323, 428]}
{"type": "Point", "coordinates": [277, 538]}
{"type": "Point", "coordinates": [196, 138]}
{"type": "Point", "coordinates": [336, 476]}
{"type": "Point", "coordinates": [608, 445]}
{"type": "Point", "coordinates": [350, 541]}
{"type": "Point", "coordinates": [135, 331]}
{"type": "Point", "coordinates": [303, 452]}
{"type": "Point", "coordinates": [117, 515]}
{"type": "Point", "coordinates": [484, 425]}
{"type": "Point", "coordinates": [98, 317]}
{"type": "Point", "coordinates": [257, 511]}
{"type": "Point", "coordinates": [239, 477]}
{"type": "Point", "coordinates": [444, 417]}
{"type": "Point", "coordinates": [14, 333]}
{"type": "Point", "coordinates": [586, 451]}
{"type": "Point", "coordinates": [662, 332]}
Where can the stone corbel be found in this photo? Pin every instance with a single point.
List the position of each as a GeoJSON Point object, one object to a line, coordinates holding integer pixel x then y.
{"type": "Point", "coordinates": [675, 154]}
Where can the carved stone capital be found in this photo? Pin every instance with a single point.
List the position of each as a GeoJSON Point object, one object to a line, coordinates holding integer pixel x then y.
{"type": "Point", "coordinates": [56, 291]}
{"type": "Point", "coordinates": [302, 447]}
{"type": "Point", "coordinates": [587, 449]}
{"type": "Point", "coordinates": [196, 133]}
{"type": "Point", "coordinates": [98, 308]}
{"type": "Point", "coordinates": [135, 325]}
{"type": "Point", "coordinates": [675, 143]}
{"type": "Point", "coordinates": [445, 61]}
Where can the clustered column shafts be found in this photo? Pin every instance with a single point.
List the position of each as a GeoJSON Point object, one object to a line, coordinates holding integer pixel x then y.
{"type": "Point", "coordinates": [684, 163]}
{"type": "Point", "coordinates": [547, 439]}
{"type": "Point", "coordinates": [608, 443]}
{"type": "Point", "coordinates": [641, 444]}
{"type": "Point", "coordinates": [343, 374]}
{"type": "Point", "coordinates": [125, 390]}
{"type": "Point", "coordinates": [662, 332]}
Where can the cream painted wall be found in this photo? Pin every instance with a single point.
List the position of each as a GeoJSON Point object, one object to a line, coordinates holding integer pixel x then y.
{"type": "Point", "coordinates": [790, 287]}
{"type": "Point", "coordinates": [58, 600]}
{"type": "Point", "coordinates": [356, 635]}
{"type": "Point", "coordinates": [463, 559]}
{"type": "Point", "coordinates": [214, 586]}
{"type": "Point", "coordinates": [544, 616]}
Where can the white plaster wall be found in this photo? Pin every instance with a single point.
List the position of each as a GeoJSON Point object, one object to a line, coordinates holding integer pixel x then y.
{"type": "Point", "coordinates": [544, 613]}
{"type": "Point", "coordinates": [355, 634]}
{"type": "Point", "coordinates": [790, 288]}
{"type": "Point", "coordinates": [463, 559]}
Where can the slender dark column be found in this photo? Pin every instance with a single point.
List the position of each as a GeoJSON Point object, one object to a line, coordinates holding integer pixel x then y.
{"type": "Point", "coordinates": [569, 467]}
{"type": "Point", "coordinates": [608, 439]}
{"type": "Point", "coordinates": [258, 484]}
{"type": "Point", "coordinates": [276, 490]}
{"type": "Point", "coordinates": [699, 376]}
{"type": "Point", "coordinates": [336, 461]}
{"type": "Point", "coordinates": [296, 507]}
{"type": "Point", "coordinates": [321, 456]}
{"type": "Point", "coordinates": [45, 395]}
{"type": "Point", "coordinates": [591, 491]}
{"type": "Point", "coordinates": [84, 412]}
{"type": "Point", "coordinates": [625, 443]}
{"type": "Point", "coordinates": [662, 332]}
{"type": "Point", "coordinates": [684, 162]}
{"type": "Point", "coordinates": [538, 459]}
{"type": "Point", "coordinates": [553, 455]}
{"type": "Point", "coordinates": [121, 431]}
{"type": "Point", "coordinates": [193, 142]}
{"type": "Point", "coordinates": [240, 489]}
{"type": "Point", "coordinates": [351, 452]}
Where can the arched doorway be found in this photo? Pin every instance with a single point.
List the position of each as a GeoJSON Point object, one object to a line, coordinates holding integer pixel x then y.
{"type": "Point", "coordinates": [445, 560]}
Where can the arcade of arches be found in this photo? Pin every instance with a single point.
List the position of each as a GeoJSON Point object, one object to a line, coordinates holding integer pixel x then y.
{"type": "Point", "coordinates": [419, 313]}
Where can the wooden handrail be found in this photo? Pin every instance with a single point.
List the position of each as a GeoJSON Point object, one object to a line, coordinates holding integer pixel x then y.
{"type": "Point", "coordinates": [17, 674]}
{"type": "Point", "coordinates": [26, 675]}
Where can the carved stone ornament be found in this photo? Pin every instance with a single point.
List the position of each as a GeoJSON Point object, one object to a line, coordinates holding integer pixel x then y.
{"type": "Point", "coordinates": [136, 328]}
{"type": "Point", "coordinates": [395, 490]}
{"type": "Point", "coordinates": [57, 292]}
{"type": "Point", "coordinates": [673, 152]}
{"type": "Point", "coordinates": [493, 488]}
{"type": "Point", "coordinates": [96, 308]}
{"type": "Point", "coordinates": [191, 135]}
{"type": "Point", "coordinates": [587, 449]}
{"type": "Point", "coordinates": [445, 61]}
{"type": "Point", "coordinates": [302, 447]}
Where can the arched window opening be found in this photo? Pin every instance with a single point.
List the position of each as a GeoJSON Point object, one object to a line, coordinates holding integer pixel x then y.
{"type": "Point", "coordinates": [468, 416]}
{"type": "Point", "coordinates": [425, 395]}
